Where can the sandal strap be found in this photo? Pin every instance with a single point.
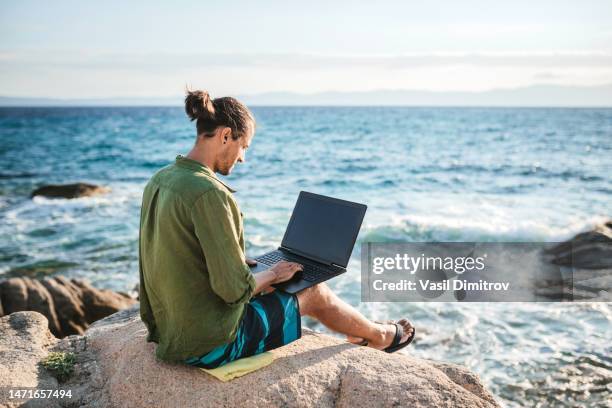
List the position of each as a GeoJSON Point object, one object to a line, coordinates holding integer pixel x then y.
{"type": "Point", "coordinates": [399, 332]}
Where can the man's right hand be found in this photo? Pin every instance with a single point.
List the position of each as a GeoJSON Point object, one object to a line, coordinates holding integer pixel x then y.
{"type": "Point", "coordinates": [283, 270]}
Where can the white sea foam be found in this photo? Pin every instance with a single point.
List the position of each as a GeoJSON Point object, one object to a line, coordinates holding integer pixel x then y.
{"type": "Point", "coordinates": [260, 241]}
{"type": "Point", "coordinates": [487, 227]}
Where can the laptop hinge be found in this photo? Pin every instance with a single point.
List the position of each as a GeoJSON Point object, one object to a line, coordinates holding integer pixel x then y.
{"type": "Point", "coordinates": [298, 253]}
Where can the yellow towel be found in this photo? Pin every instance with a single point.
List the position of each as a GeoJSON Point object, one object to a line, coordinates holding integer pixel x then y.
{"type": "Point", "coordinates": [240, 367]}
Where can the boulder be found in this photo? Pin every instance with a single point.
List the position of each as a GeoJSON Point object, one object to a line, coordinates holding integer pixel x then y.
{"type": "Point", "coordinates": [69, 190]}
{"type": "Point", "coordinates": [588, 256]}
{"type": "Point", "coordinates": [24, 341]}
{"type": "Point", "coordinates": [117, 367]}
{"type": "Point", "coordinates": [70, 305]}
{"type": "Point", "coordinates": [587, 250]}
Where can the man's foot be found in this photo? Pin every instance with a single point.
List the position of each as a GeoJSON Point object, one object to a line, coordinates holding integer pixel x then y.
{"type": "Point", "coordinates": [386, 337]}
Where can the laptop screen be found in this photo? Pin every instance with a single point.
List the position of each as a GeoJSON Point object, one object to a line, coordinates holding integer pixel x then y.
{"type": "Point", "coordinates": [324, 228]}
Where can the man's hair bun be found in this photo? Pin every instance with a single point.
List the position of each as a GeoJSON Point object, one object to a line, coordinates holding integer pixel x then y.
{"type": "Point", "coordinates": [199, 105]}
{"type": "Point", "coordinates": [210, 114]}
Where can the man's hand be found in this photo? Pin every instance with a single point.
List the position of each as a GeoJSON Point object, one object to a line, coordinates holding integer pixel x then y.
{"type": "Point", "coordinates": [283, 270]}
{"type": "Point", "coordinates": [277, 273]}
{"type": "Point", "coordinates": [267, 289]}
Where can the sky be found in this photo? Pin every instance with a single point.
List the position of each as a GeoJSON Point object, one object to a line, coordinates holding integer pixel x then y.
{"type": "Point", "coordinates": [70, 49]}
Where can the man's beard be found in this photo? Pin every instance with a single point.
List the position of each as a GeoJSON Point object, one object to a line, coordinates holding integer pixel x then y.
{"type": "Point", "coordinates": [227, 170]}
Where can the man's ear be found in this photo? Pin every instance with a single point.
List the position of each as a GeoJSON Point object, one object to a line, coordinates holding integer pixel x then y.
{"type": "Point", "coordinates": [226, 133]}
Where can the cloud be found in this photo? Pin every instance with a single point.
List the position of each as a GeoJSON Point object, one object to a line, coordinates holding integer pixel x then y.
{"type": "Point", "coordinates": [89, 73]}
{"type": "Point", "coordinates": [166, 62]}
{"type": "Point", "coordinates": [546, 76]}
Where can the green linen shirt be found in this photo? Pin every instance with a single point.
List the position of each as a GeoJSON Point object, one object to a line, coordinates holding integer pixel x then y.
{"type": "Point", "coordinates": [194, 280]}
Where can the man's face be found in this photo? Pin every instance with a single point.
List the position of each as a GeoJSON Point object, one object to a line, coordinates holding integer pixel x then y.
{"type": "Point", "coordinates": [234, 151]}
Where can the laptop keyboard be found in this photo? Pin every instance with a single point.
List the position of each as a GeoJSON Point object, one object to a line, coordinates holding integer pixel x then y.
{"type": "Point", "coordinates": [310, 273]}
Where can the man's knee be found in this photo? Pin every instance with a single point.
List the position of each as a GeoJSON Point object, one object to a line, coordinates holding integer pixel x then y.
{"type": "Point", "coordinates": [319, 291]}
{"type": "Point", "coordinates": [314, 298]}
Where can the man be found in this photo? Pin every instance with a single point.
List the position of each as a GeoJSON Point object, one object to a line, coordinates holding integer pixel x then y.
{"type": "Point", "coordinates": [197, 294]}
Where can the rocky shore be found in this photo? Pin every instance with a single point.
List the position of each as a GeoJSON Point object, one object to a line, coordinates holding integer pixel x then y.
{"type": "Point", "coordinates": [70, 305]}
{"type": "Point", "coordinates": [116, 367]}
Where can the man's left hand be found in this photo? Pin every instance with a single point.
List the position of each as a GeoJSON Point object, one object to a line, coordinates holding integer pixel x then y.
{"type": "Point", "coordinates": [267, 289]}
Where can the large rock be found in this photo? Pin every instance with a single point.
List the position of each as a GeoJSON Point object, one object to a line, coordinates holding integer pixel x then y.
{"type": "Point", "coordinates": [69, 190]}
{"type": "Point", "coordinates": [589, 257]}
{"type": "Point", "coordinates": [316, 371]}
{"type": "Point", "coordinates": [70, 305]}
{"type": "Point", "coordinates": [587, 250]}
{"type": "Point", "coordinates": [117, 368]}
{"type": "Point", "coordinates": [24, 341]}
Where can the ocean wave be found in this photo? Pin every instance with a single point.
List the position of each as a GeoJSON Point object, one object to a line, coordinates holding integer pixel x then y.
{"type": "Point", "coordinates": [416, 228]}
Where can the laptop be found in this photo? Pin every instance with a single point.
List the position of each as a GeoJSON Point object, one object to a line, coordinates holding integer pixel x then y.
{"type": "Point", "coordinates": [320, 236]}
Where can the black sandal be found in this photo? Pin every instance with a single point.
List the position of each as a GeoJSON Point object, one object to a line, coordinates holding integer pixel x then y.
{"type": "Point", "coordinates": [395, 344]}
{"type": "Point", "coordinates": [399, 333]}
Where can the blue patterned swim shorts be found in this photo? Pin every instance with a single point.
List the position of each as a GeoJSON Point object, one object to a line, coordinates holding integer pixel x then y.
{"type": "Point", "coordinates": [270, 321]}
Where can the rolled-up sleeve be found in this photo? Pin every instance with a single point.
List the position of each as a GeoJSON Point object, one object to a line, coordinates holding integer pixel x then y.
{"type": "Point", "coordinates": [214, 219]}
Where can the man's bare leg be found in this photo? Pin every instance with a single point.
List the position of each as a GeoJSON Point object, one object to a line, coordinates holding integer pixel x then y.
{"type": "Point", "coordinates": [322, 304]}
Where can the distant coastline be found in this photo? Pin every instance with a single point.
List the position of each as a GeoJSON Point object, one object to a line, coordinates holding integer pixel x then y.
{"type": "Point", "coordinates": [530, 96]}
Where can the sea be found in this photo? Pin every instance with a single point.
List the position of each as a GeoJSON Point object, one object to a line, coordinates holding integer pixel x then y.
{"type": "Point", "coordinates": [426, 174]}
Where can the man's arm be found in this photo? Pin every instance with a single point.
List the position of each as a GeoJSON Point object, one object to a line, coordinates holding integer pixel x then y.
{"type": "Point", "coordinates": [213, 217]}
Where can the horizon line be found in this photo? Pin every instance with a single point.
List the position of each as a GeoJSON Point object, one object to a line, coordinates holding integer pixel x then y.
{"type": "Point", "coordinates": [325, 106]}
{"type": "Point", "coordinates": [307, 94]}
{"type": "Point", "coordinates": [530, 96]}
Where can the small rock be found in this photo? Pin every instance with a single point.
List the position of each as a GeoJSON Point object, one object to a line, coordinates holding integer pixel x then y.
{"type": "Point", "coordinates": [69, 190]}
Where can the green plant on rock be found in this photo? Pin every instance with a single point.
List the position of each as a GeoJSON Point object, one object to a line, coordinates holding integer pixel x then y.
{"type": "Point", "coordinates": [60, 364]}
